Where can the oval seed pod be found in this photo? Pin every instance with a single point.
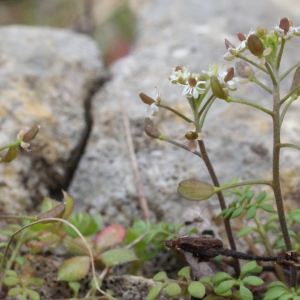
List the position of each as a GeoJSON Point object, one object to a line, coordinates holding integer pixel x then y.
{"type": "Point", "coordinates": [55, 212]}
{"type": "Point", "coordinates": [296, 81]}
{"type": "Point", "coordinates": [11, 154]}
{"type": "Point", "coordinates": [196, 190]}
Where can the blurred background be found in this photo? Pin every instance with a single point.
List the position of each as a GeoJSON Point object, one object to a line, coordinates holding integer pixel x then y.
{"type": "Point", "coordinates": [110, 22]}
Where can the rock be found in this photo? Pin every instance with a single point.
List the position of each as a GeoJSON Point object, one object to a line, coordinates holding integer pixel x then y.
{"type": "Point", "coordinates": [238, 137]}
{"type": "Point", "coordinates": [47, 77]}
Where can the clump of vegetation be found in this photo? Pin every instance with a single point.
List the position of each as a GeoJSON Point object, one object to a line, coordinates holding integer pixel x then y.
{"type": "Point", "coordinates": [264, 213]}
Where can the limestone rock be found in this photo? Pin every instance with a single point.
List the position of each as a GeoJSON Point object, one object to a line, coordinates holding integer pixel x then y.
{"type": "Point", "coordinates": [47, 77]}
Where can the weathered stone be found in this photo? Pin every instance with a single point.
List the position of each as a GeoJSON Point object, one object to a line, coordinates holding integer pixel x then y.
{"type": "Point", "coordinates": [47, 77]}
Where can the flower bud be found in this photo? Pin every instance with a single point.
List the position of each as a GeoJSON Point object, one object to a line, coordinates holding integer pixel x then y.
{"type": "Point", "coordinates": [150, 129]}
{"type": "Point", "coordinates": [196, 190]}
{"type": "Point", "coordinates": [228, 44]}
{"type": "Point", "coordinates": [284, 24]}
{"type": "Point", "coordinates": [191, 135]}
{"type": "Point", "coordinates": [217, 88]}
{"type": "Point", "coordinates": [243, 69]}
{"type": "Point", "coordinates": [10, 155]}
{"type": "Point", "coordinates": [146, 99]}
{"type": "Point", "coordinates": [296, 81]}
{"type": "Point", "coordinates": [261, 32]}
{"type": "Point", "coordinates": [255, 45]}
{"type": "Point", "coordinates": [229, 75]}
{"type": "Point", "coordinates": [241, 36]}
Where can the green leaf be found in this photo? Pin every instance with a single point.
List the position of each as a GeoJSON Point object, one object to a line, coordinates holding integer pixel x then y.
{"type": "Point", "coordinates": [225, 286]}
{"type": "Point", "coordinates": [267, 207]}
{"type": "Point", "coordinates": [251, 212]}
{"type": "Point", "coordinates": [185, 272]}
{"type": "Point", "coordinates": [33, 294]}
{"type": "Point", "coordinates": [11, 280]}
{"type": "Point", "coordinates": [173, 289]}
{"type": "Point", "coordinates": [20, 260]}
{"type": "Point", "coordinates": [11, 273]}
{"type": "Point", "coordinates": [74, 268]}
{"type": "Point", "coordinates": [237, 212]}
{"type": "Point", "coordinates": [288, 296]}
{"type": "Point", "coordinates": [249, 267]}
{"type": "Point", "coordinates": [277, 284]}
{"type": "Point", "coordinates": [261, 196]}
{"type": "Point", "coordinates": [154, 292]}
{"type": "Point", "coordinates": [249, 195]}
{"type": "Point", "coordinates": [206, 280]}
{"type": "Point", "coordinates": [117, 256]}
{"type": "Point", "coordinates": [253, 280]}
{"type": "Point", "coordinates": [245, 231]}
{"type": "Point", "coordinates": [15, 291]}
{"type": "Point", "coordinates": [275, 293]}
{"type": "Point", "coordinates": [245, 293]}
{"type": "Point", "coordinates": [83, 222]}
{"type": "Point", "coordinates": [196, 289]}
{"type": "Point", "coordinates": [35, 281]}
{"type": "Point", "coordinates": [219, 277]}
{"type": "Point", "coordinates": [160, 276]}
{"type": "Point", "coordinates": [75, 286]}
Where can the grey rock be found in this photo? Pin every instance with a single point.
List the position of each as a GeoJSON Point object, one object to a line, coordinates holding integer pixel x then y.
{"type": "Point", "coordinates": [172, 33]}
{"type": "Point", "coordinates": [47, 77]}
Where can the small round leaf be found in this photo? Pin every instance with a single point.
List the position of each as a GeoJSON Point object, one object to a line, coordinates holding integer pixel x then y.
{"type": "Point", "coordinates": [196, 289]}
{"type": "Point", "coordinates": [173, 289]}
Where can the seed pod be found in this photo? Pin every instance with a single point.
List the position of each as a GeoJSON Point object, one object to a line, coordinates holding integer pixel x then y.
{"type": "Point", "coordinates": [31, 133]}
{"type": "Point", "coordinates": [55, 212]}
{"type": "Point", "coordinates": [296, 81]}
{"type": "Point", "coordinates": [255, 45]}
{"type": "Point", "coordinates": [243, 69]}
{"type": "Point", "coordinates": [10, 155]}
{"type": "Point", "coordinates": [150, 129]}
{"type": "Point", "coordinates": [217, 88]}
{"type": "Point", "coordinates": [193, 189]}
{"type": "Point", "coordinates": [146, 99]}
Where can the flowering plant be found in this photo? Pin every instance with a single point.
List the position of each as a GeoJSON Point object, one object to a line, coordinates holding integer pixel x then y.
{"type": "Point", "coordinates": [202, 89]}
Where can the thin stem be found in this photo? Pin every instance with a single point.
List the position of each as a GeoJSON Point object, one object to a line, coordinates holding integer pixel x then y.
{"type": "Point", "coordinates": [221, 202]}
{"type": "Point", "coordinates": [15, 143]}
{"type": "Point", "coordinates": [237, 184]}
{"type": "Point", "coordinates": [279, 55]}
{"type": "Point", "coordinates": [289, 70]}
{"type": "Point", "coordinates": [204, 114]}
{"type": "Point", "coordinates": [163, 138]}
{"type": "Point", "coordinates": [175, 112]}
{"type": "Point", "coordinates": [274, 81]}
{"type": "Point", "coordinates": [255, 80]}
{"type": "Point", "coordinates": [139, 186]}
{"type": "Point", "coordinates": [15, 217]}
{"type": "Point", "coordinates": [229, 99]}
{"type": "Point", "coordinates": [276, 178]}
{"type": "Point", "coordinates": [290, 94]}
{"type": "Point", "coordinates": [293, 98]}
{"type": "Point", "coordinates": [290, 146]}
{"type": "Point", "coordinates": [270, 251]}
{"type": "Point", "coordinates": [206, 104]}
{"type": "Point", "coordinates": [251, 62]}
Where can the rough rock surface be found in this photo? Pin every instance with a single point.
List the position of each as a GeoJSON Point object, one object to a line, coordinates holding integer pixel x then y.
{"type": "Point", "coordinates": [171, 33]}
{"type": "Point", "coordinates": [47, 77]}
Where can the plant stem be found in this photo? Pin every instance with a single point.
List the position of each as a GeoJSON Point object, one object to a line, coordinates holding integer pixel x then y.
{"type": "Point", "coordinates": [222, 203]}
{"type": "Point", "coordinates": [276, 176]}
{"type": "Point", "coordinates": [15, 143]}
{"type": "Point", "coordinates": [290, 146]}
{"type": "Point", "coordinates": [255, 80]}
{"type": "Point", "coordinates": [175, 112]}
{"type": "Point", "coordinates": [233, 185]}
{"type": "Point", "coordinates": [263, 235]}
{"type": "Point", "coordinates": [229, 99]}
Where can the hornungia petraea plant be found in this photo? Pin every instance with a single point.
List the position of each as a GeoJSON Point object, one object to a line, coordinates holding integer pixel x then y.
{"type": "Point", "coordinates": [258, 53]}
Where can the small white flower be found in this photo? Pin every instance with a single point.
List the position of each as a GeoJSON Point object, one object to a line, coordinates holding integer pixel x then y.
{"type": "Point", "coordinates": [153, 109]}
{"type": "Point", "coordinates": [193, 87]}
{"type": "Point", "coordinates": [192, 137]}
{"type": "Point", "coordinates": [232, 50]}
{"type": "Point", "coordinates": [231, 84]}
{"type": "Point", "coordinates": [179, 75]}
